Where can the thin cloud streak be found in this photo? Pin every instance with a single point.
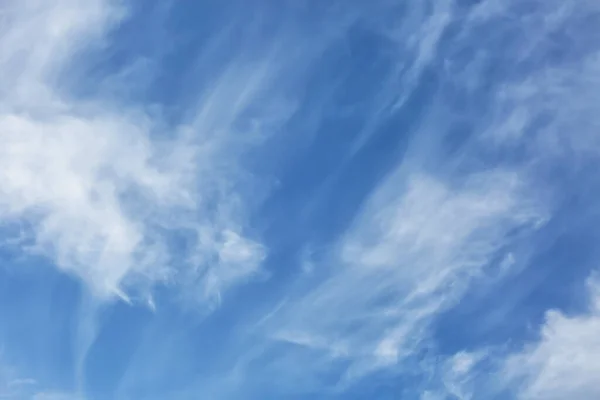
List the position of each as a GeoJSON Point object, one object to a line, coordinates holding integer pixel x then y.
{"type": "Point", "coordinates": [412, 252]}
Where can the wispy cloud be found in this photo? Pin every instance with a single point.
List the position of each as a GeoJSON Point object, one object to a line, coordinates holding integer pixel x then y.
{"type": "Point", "coordinates": [102, 189]}
{"type": "Point", "coordinates": [112, 193]}
{"type": "Point", "coordinates": [560, 362]}
{"type": "Point", "coordinates": [437, 223]}
{"type": "Point", "coordinates": [457, 376]}
{"type": "Point", "coordinates": [414, 249]}
{"type": "Point", "coordinates": [15, 387]}
{"type": "Point", "coordinates": [489, 100]}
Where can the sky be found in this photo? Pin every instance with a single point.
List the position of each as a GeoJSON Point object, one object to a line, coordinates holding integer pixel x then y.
{"type": "Point", "coordinates": [299, 199]}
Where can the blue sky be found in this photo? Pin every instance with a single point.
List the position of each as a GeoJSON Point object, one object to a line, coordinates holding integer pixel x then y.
{"type": "Point", "coordinates": [299, 199]}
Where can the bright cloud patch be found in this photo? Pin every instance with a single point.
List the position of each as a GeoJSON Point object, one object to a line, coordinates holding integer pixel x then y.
{"type": "Point", "coordinates": [564, 363]}
{"type": "Point", "coordinates": [98, 188]}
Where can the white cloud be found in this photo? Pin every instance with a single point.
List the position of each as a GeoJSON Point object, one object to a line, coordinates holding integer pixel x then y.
{"type": "Point", "coordinates": [414, 36]}
{"type": "Point", "coordinates": [111, 198]}
{"type": "Point", "coordinates": [563, 97]}
{"type": "Point", "coordinates": [411, 253]}
{"type": "Point", "coordinates": [14, 387]}
{"type": "Point", "coordinates": [110, 193]}
{"type": "Point", "coordinates": [424, 237]}
{"type": "Point", "coordinates": [548, 74]}
{"type": "Point", "coordinates": [565, 362]}
{"type": "Point", "coordinates": [66, 176]}
{"type": "Point", "coordinates": [37, 39]}
{"type": "Point", "coordinates": [458, 375]}
{"type": "Point", "coordinates": [56, 396]}
{"type": "Point", "coordinates": [10, 384]}
{"type": "Point", "coordinates": [103, 190]}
